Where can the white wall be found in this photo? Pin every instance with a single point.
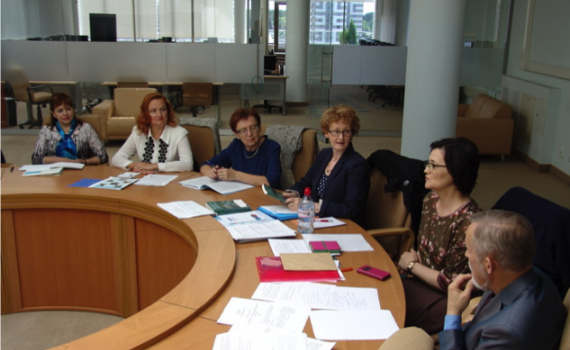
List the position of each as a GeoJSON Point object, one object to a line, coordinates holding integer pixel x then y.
{"type": "Point", "coordinates": [562, 134]}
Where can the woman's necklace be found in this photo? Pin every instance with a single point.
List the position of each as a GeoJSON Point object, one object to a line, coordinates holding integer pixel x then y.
{"type": "Point", "coordinates": [330, 167]}
{"type": "Point", "coordinates": [245, 153]}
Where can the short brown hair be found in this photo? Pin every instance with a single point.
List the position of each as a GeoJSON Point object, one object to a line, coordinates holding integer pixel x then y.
{"type": "Point", "coordinates": [242, 114]}
{"type": "Point", "coordinates": [340, 113]}
{"type": "Point", "coordinates": [58, 99]}
{"type": "Point", "coordinates": [143, 119]}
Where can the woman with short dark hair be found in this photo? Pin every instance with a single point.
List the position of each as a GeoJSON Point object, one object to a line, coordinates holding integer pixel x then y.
{"type": "Point", "coordinates": [251, 157]}
{"type": "Point", "coordinates": [66, 138]}
{"type": "Point", "coordinates": [450, 174]}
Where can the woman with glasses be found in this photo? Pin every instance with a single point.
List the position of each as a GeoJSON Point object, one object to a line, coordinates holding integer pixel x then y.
{"type": "Point", "coordinates": [159, 142]}
{"type": "Point", "coordinates": [66, 138]}
{"type": "Point", "coordinates": [450, 174]}
{"type": "Point", "coordinates": [340, 178]}
{"type": "Point", "coordinates": [250, 158]}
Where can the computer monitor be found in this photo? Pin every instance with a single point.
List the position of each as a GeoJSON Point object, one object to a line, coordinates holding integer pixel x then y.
{"type": "Point", "coordinates": [103, 27]}
{"type": "Point", "coordinates": [269, 63]}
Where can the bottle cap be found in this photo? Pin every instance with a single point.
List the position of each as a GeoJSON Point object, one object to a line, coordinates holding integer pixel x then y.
{"type": "Point", "coordinates": [307, 192]}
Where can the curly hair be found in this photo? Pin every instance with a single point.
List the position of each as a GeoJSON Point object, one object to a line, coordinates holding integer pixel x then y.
{"type": "Point", "coordinates": [143, 119]}
{"type": "Point", "coordinates": [340, 113]}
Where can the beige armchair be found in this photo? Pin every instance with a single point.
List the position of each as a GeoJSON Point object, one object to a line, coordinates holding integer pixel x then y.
{"type": "Point", "coordinates": [488, 123]}
{"type": "Point", "coordinates": [387, 218]}
{"type": "Point", "coordinates": [117, 116]}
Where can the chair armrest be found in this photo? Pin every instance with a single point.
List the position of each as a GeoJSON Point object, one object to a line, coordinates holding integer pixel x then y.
{"type": "Point", "coordinates": [408, 338]}
{"type": "Point", "coordinates": [40, 87]}
{"type": "Point", "coordinates": [104, 110]}
{"type": "Point", "coordinates": [395, 241]}
{"type": "Point", "coordinates": [461, 110]}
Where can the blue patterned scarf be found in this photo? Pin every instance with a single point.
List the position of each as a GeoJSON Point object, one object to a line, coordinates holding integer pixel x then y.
{"type": "Point", "coordinates": [66, 147]}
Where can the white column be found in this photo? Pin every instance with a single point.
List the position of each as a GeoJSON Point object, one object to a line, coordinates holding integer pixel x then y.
{"type": "Point", "coordinates": [435, 37]}
{"type": "Point", "coordinates": [378, 19]}
{"type": "Point", "coordinates": [239, 22]}
{"type": "Point", "coordinates": [389, 16]}
{"type": "Point", "coordinates": [296, 49]}
{"type": "Point", "coordinates": [402, 23]}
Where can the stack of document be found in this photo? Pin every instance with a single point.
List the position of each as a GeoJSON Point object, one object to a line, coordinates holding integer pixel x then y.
{"type": "Point", "coordinates": [185, 209]}
{"type": "Point", "coordinates": [254, 226]}
{"type": "Point", "coordinates": [222, 187]}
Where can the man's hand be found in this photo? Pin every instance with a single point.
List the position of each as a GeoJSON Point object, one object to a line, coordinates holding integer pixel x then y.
{"type": "Point", "coordinates": [459, 294]}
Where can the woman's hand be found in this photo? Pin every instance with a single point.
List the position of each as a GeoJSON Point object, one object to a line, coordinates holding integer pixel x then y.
{"type": "Point", "coordinates": [227, 174]}
{"type": "Point", "coordinates": [144, 168]}
{"type": "Point", "coordinates": [292, 203]}
{"type": "Point", "coordinates": [407, 258]}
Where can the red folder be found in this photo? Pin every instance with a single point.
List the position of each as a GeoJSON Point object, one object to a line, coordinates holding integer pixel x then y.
{"type": "Point", "coordinates": [270, 269]}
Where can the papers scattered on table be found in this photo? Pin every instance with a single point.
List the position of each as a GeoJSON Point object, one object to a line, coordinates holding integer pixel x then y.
{"type": "Point", "coordinates": [279, 246]}
{"type": "Point", "coordinates": [113, 183]}
{"type": "Point", "coordinates": [156, 180]}
{"type": "Point", "coordinates": [353, 324]}
{"type": "Point", "coordinates": [254, 226]}
{"type": "Point", "coordinates": [327, 222]}
{"type": "Point", "coordinates": [348, 242]}
{"type": "Point", "coordinates": [65, 165]}
{"type": "Point", "coordinates": [43, 171]}
{"type": "Point", "coordinates": [222, 187]}
{"type": "Point", "coordinates": [185, 209]}
{"type": "Point", "coordinates": [263, 341]}
{"type": "Point", "coordinates": [129, 175]}
{"type": "Point", "coordinates": [280, 212]}
{"type": "Point", "coordinates": [287, 317]}
{"type": "Point", "coordinates": [319, 296]}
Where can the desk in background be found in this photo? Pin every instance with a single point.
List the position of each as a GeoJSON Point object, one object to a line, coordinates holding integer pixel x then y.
{"type": "Point", "coordinates": [166, 88]}
{"type": "Point", "coordinates": [274, 87]}
{"type": "Point", "coordinates": [119, 253]}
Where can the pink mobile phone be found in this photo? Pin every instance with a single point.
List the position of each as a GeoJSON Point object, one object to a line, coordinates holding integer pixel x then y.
{"type": "Point", "coordinates": [373, 272]}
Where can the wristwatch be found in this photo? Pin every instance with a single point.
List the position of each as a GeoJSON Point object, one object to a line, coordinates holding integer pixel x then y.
{"type": "Point", "coordinates": [411, 266]}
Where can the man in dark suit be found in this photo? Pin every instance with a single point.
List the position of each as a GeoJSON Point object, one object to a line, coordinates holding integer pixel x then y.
{"type": "Point", "coordinates": [521, 308]}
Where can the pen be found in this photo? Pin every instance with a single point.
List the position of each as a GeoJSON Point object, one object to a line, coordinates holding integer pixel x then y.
{"type": "Point", "coordinates": [346, 269]}
{"type": "Point", "coordinates": [323, 220]}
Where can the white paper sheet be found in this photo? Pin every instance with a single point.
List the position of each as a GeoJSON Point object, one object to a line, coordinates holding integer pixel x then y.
{"type": "Point", "coordinates": [319, 296]}
{"type": "Point", "coordinates": [222, 187]}
{"type": "Point", "coordinates": [253, 312]}
{"type": "Point", "coordinates": [279, 246]}
{"type": "Point", "coordinates": [260, 341]}
{"type": "Point", "coordinates": [327, 222]}
{"type": "Point", "coordinates": [156, 180]}
{"type": "Point", "coordinates": [353, 324]}
{"type": "Point", "coordinates": [185, 209]}
{"type": "Point", "coordinates": [351, 242]}
{"type": "Point", "coordinates": [65, 165]}
{"type": "Point", "coordinates": [312, 344]}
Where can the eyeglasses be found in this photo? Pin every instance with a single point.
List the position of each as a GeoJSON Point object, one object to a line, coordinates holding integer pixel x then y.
{"type": "Point", "coordinates": [430, 166]}
{"type": "Point", "coordinates": [252, 129]}
{"type": "Point", "coordinates": [336, 133]}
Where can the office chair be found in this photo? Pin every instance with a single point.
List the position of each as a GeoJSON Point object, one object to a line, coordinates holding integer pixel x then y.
{"type": "Point", "coordinates": [197, 96]}
{"type": "Point", "coordinates": [204, 138]}
{"type": "Point", "coordinates": [39, 95]}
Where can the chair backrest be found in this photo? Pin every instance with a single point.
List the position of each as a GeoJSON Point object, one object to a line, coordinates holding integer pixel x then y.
{"type": "Point", "coordinates": [202, 143]}
{"type": "Point", "coordinates": [128, 101]}
{"type": "Point", "coordinates": [385, 210]}
{"type": "Point", "coordinates": [551, 224]}
{"type": "Point", "coordinates": [197, 94]}
{"type": "Point", "coordinates": [132, 84]}
{"type": "Point", "coordinates": [305, 156]}
{"type": "Point", "coordinates": [20, 83]}
{"type": "Point", "coordinates": [485, 106]}
{"type": "Point", "coordinates": [565, 341]}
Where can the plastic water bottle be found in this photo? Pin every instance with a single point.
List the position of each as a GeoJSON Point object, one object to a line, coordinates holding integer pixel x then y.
{"type": "Point", "coordinates": [306, 213]}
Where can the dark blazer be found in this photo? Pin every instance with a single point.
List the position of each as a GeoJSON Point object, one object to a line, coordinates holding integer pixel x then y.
{"type": "Point", "coordinates": [346, 190]}
{"type": "Point", "coordinates": [527, 314]}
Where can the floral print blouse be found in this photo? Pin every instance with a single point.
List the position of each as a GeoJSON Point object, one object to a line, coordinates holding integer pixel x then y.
{"type": "Point", "coordinates": [442, 239]}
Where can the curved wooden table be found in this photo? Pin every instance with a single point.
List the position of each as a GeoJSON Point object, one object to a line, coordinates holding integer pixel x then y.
{"type": "Point", "coordinates": [117, 252]}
